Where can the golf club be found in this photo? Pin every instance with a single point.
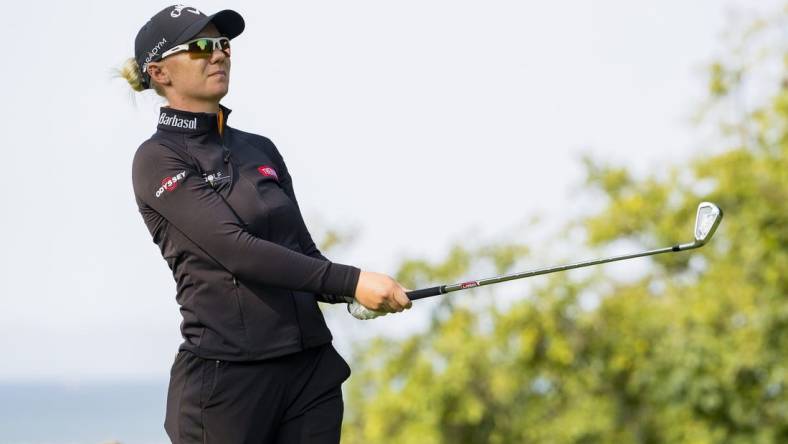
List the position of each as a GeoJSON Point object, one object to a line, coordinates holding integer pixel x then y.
{"type": "Point", "coordinates": [707, 220]}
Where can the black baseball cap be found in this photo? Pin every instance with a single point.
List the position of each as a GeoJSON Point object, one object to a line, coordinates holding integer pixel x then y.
{"type": "Point", "coordinates": [175, 25]}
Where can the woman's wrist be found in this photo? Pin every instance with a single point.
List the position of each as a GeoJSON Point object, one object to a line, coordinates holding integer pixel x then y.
{"type": "Point", "coordinates": [341, 279]}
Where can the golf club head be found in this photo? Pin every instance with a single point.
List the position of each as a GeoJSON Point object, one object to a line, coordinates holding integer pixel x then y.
{"type": "Point", "coordinates": [706, 222]}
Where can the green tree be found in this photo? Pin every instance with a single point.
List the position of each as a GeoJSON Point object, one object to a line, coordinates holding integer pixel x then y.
{"type": "Point", "coordinates": [695, 350]}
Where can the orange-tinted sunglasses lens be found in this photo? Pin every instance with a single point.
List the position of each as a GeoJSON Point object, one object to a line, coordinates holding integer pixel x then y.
{"type": "Point", "coordinates": [205, 47]}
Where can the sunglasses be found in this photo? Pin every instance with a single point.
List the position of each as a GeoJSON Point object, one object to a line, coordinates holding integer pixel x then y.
{"type": "Point", "coordinates": [201, 47]}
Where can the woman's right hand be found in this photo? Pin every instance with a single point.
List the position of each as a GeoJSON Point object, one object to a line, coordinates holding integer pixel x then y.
{"type": "Point", "coordinates": [379, 292]}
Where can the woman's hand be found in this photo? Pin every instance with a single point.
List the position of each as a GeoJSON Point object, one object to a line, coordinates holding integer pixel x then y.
{"type": "Point", "coordinates": [379, 292]}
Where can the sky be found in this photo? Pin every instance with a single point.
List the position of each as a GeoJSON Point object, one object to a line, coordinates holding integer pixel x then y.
{"type": "Point", "coordinates": [409, 124]}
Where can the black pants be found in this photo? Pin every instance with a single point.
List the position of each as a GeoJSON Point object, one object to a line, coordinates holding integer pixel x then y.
{"type": "Point", "coordinates": [289, 399]}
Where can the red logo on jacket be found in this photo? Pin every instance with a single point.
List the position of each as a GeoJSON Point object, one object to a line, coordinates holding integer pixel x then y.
{"type": "Point", "coordinates": [267, 171]}
{"type": "Point", "coordinates": [170, 183]}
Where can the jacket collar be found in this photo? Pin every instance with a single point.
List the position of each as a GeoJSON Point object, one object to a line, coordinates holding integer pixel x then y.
{"type": "Point", "coordinates": [176, 120]}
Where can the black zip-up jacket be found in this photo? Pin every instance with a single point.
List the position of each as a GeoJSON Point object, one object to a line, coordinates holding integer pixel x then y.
{"type": "Point", "coordinates": [220, 205]}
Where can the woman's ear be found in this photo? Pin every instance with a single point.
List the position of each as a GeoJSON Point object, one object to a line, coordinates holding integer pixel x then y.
{"type": "Point", "coordinates": [159, 74]}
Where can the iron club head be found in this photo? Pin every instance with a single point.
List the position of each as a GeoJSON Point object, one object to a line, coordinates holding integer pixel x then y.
{"type": "Point", "coordinates": [706, 222]}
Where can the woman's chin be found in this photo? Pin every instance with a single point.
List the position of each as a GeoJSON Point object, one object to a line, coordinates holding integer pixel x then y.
{"type": "Point", "coordinates": [217, 92]}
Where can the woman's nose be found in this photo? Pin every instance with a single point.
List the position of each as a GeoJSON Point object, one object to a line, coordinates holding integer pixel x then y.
{"type": "Point", "coordinates": [218, 55]}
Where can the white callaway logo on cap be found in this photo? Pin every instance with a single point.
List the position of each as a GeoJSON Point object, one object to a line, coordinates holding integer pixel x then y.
{"type": "Point", "coordinates": [176, 12]}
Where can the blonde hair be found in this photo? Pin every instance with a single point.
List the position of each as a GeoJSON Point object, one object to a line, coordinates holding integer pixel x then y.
{"type": "Point", "coordinates": [130, 71]}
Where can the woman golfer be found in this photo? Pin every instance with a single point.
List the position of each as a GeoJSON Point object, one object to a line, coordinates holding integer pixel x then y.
{"type": "Point", "coordinates": [256, 364]}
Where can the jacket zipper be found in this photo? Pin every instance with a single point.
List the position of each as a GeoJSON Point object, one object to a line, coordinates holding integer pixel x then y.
{"type": "Point", "coordinates": [215, 379]}
{"type": "Point", "coordinates": [298, 320]}
{"type": "Point", "coordinates": [240, 313]}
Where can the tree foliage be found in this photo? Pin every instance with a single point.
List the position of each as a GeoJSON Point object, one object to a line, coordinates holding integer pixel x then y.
{"type": "Point", "coordinates": [695, 350]}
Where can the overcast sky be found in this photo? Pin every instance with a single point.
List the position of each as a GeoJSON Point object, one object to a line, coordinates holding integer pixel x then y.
{"type": "Point", "coordinates": [411, 123]}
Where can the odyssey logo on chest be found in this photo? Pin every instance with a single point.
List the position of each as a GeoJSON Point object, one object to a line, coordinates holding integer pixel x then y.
{"type": "Point", "coordinates": [170, 183]}
{"type": "Point", "coordinates": [177, 122]}
{"type": "Point", "coordinates": [267, 171]}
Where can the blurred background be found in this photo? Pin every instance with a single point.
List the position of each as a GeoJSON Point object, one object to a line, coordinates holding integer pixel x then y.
{"type": "Point", "coordinates": [435, 141]}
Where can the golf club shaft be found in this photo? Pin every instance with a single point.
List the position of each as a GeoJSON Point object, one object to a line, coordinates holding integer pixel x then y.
{"type": "Point", "coordinates": [442, 289]}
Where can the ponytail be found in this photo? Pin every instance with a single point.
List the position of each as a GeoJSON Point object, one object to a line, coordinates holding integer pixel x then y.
{"type": "Point", "coordinates": [130, 71]}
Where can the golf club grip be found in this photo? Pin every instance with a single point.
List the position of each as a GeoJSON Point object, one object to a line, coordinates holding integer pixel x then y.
{"type": "Point", "coordinates": [424, 293]}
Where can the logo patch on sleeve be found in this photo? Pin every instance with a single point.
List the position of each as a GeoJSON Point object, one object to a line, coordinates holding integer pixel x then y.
{"type": "Point", "coordinates": [267, 171]}
{"type": "Point", "coordinates": [169, 184]}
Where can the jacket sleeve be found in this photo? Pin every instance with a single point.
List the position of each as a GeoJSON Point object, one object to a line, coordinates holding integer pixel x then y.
{"type": "Point", "coordinates": [174, 189]}
{"type": "Point", "coordinates": [305, 239]}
